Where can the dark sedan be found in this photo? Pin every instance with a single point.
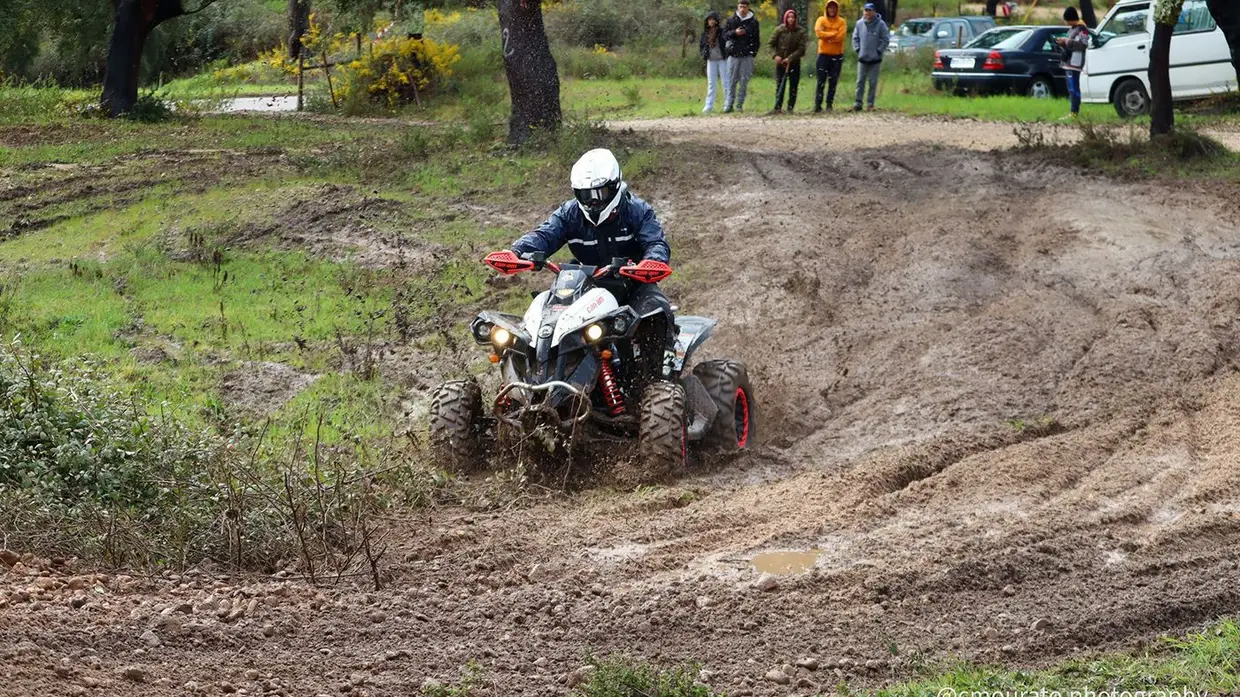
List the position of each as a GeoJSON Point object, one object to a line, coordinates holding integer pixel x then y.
{"type": "Point", "coordinates": [1024, 60]}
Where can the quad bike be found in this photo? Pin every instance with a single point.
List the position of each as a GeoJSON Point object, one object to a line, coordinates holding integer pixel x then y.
{"type": "Point", "coordinates": [580, 369]}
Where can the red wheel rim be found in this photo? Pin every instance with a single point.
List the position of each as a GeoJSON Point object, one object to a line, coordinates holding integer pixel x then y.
{"type": "Point", "coordinates": [742, 417]}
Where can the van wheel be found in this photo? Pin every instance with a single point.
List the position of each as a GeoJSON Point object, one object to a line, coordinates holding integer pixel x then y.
{"type": "Point", "coordinates": [1040, 88]}
{"type": "Point", "coordinates": [1130, 99]}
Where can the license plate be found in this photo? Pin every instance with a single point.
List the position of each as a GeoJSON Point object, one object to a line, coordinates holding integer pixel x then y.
{"type": "Point", "coordinates": [963, 63]}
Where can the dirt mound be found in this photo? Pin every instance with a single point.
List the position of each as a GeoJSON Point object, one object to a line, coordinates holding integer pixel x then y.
{"type": "Point", "coordinates": [341, 223]}
{"type": "Point", "coordinates": [263, 387]}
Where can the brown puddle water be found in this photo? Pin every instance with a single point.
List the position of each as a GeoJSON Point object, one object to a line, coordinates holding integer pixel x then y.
{"type": "Point", "coordinates": [786, 563]}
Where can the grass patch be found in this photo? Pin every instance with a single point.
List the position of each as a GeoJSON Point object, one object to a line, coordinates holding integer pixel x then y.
{"type": "Point", "coordinates": [1130, 152]}
{"type": "Point", "coordinates": [623, 676]}
{"type": "Point", "coordinates": [1203, 662]}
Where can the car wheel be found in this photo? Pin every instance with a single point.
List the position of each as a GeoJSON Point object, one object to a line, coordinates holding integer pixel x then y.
{"type": "Point", "coordinates": [1040, 88]}
{"type": "Point", "coordinates": [1131, 99]}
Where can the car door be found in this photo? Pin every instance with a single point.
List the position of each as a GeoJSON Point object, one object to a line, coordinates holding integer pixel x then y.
{"type": "Point", "coordinates": [1050, 58]}
{"type": "Point", "coordinates": [943, 35]}
{"type": "Point", "coordinates": [1200, 59]}
{"type": "Point", "coordinates": [1124, 49]}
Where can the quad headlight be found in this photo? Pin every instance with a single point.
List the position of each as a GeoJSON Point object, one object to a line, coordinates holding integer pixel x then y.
{"type": "Point", "coordinates": [594, 332]}
{"type": "Point", "coordinates": [501, 337]}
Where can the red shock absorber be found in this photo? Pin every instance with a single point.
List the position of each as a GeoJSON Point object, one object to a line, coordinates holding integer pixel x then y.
{"type": "Point", "coordinates": [611, 391]}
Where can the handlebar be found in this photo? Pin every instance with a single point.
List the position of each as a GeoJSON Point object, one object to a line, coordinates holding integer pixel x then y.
{"type": "Point", "coordinates": [646, 271]}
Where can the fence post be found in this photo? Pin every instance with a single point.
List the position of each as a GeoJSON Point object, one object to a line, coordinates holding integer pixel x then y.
{"type": "Point", "coordinates": [301, 78]}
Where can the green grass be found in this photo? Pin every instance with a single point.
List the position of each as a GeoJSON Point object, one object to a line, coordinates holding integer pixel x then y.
{"type": "Point", "coordinates": [1205, 661]}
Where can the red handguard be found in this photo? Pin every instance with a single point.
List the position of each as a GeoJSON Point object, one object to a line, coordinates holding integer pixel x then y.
{"type": "Point", "coordinates": [648, 271]}
{"type": "Point", "coordinates": [508, 263]}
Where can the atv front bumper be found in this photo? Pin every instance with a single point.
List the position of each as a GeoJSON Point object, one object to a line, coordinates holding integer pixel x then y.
{"type": "Point", "coordinates": [529, 416]}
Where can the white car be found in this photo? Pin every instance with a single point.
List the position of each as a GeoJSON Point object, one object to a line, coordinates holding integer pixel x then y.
{"type": "Point", "coordinates": [1117, 65]}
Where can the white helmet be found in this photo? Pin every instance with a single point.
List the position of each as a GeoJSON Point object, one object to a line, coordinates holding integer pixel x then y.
{"type": "Point", "coordinates": [598, 185]}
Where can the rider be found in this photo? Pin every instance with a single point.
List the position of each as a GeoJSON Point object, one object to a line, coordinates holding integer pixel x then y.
{"type": "Point", "coordinates": [602, 221]}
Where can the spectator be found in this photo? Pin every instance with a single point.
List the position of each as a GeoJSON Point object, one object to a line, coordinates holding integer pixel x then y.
{"type": "Point", "coordinates": [870, 39]}
{"type": "Point", "coordinates": [831, 29]}
{"type": "Point", "coordinates": [788, 45]}
{"type": "Point", "coordinates": [1074, 46]}
{"type": "Point", "coordinates": [711, 48]}
{"type": "Point", "coordinates": [741, 42]}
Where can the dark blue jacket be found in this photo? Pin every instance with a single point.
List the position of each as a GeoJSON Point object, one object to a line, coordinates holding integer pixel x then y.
{"type": "Point", "coordinates": [634, 232]}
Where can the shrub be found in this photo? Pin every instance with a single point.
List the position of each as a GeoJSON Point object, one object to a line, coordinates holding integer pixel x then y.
{"type": "Point", "coordinates": [87, 470]}
{"type": "Point", "coordinates": [397, 70]}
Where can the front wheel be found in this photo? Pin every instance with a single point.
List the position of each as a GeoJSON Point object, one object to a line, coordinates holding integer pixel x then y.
{"type": "Point", "coordinates": [727, 383]}
{"type": "Point", "coordinates": [456, 411]}
{"type": "Point", "coordinates": [1040, 88]}
{"type": "Point", "coordinates": [662, 438]}
{"type": "Point", "coordinates": [1131, 99]}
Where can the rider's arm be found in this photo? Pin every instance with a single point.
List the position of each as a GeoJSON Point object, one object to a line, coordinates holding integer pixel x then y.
{"type": "Point", "coordinates": [548, 237]}
{"type": "Point", "coordinates": [650, 235]}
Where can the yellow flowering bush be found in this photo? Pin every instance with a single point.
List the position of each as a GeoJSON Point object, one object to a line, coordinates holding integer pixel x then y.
{"type": "Point", "coordinates": [395, 67]}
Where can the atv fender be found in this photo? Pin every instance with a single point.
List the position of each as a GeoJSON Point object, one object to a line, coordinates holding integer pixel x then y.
{"type": "Point", "coordinates": [692, 333]}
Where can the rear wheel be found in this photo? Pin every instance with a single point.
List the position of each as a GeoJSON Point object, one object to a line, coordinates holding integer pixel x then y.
{"type": "Point", "coordinates": [662, 439]}
{"type": "Point", "coordinates": [1131, 99]}
{"type": "Point", "coordinates": [456, 411]}
{"type": "Point", "coordinates": [1040, 87]}
{"type": "Point", "coordinates": [727, 382]}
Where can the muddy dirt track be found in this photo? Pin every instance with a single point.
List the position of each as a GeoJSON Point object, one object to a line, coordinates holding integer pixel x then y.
{"type": "Point", "coordinates": [1000, 397]}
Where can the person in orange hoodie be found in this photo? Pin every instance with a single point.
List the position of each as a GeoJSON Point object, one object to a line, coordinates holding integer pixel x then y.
{"type": "Point", "coordinates": [831, 30]}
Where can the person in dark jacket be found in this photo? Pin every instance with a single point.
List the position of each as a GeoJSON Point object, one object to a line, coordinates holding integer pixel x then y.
{"type": "Point", "coordinates": [602, 221]}
{"type": "Point", "coordinates": [712, 49]}
{"type": "Point", "coordinates": [741, 36]}
{"type": "Point", "coordinates": [788, 45]}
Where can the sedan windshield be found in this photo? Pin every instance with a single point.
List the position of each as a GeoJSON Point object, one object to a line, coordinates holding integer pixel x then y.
{"type": "Point", "coordinates": [1001, 38]}
{"type": "Point", "coordinates": [915, 28]}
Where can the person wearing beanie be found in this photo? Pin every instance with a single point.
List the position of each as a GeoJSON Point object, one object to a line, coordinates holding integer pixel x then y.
{"type": "Point", "coordinates": [831, 30]}
{"type": "Point", "coordinates": [870, 39]}
{"type": "Point", "coordinates": [788, 46]}
{"type": "Point", "coordinates": [1075, 44]}
{"type": "Point", "coordinates": [741, 41]}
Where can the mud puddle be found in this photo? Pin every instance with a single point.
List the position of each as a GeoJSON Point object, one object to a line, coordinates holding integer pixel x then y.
{"type": "Point", "coordinates": [786, 563]}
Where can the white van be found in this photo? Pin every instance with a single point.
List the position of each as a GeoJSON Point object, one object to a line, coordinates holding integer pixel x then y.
{"type": "Point", "coordinates": [1117, 65]}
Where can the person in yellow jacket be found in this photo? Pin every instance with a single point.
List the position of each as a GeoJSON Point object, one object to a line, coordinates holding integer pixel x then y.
{"type": "Point", "coordinates": [831, 30]}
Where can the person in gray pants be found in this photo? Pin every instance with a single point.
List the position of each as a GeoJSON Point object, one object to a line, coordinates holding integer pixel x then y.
{"type": "Point", "coordinates": [742, 42]}
{"type": "Point", "coordinates": [870, 39]}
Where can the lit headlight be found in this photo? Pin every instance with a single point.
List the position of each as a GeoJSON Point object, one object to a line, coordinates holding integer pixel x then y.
{"type": "Point", "coordinates": [594, 332]}
{"type": "Point", "coordinates": [501, 337]}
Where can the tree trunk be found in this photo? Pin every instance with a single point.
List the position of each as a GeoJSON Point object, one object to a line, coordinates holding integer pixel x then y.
{"type": "Point", "coordinates": [992, 7]}
{"type": "Point", "coordinates": [532, 79]}
{"type": "Point", "coordinates": [893, 4]}
{"type": "Point", "coordinates": [132, 23]}
{"type": "Point", "coordinates": [1227, 14]}
{"type": "Point", "coordinates": [1087, 14]}
{"type": "Point", "coordinates": [1162, 117]}
{"type": "Point", "coordinates": [298, 23]}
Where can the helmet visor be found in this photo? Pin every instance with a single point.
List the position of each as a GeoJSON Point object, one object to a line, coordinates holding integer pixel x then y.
{"type": "Point", "coordinates": [596, 199]}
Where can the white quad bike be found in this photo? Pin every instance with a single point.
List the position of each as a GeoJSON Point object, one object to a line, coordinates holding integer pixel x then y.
{"type": "Point", "coordinates": [580, 368]}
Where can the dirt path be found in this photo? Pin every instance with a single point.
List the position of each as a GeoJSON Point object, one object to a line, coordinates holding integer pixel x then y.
{"type": "Point", "coordinates": [846, 130]}
{"type": "Point", "coordinates": [998, 404]}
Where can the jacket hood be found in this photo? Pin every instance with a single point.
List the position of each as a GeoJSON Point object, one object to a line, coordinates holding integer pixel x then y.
{"type": "Point", "coordinates": [828, 6]}
{"type": "Point", "coordinates": [706, 20]}
{"type": "Point", "coordinates": [747, 15]}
